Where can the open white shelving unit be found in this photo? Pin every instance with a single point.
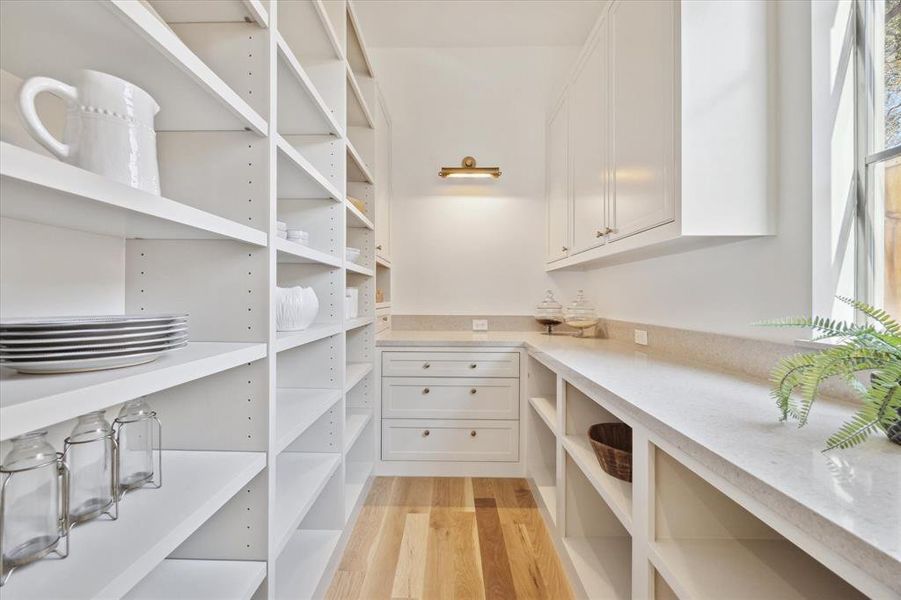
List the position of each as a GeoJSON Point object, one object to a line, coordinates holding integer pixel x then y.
{"type": "Point", "coordinates": [268, 112]}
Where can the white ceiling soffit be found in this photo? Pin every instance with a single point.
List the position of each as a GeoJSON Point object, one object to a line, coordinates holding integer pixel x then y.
{"type": "Point", "coordinates": [476, 23]}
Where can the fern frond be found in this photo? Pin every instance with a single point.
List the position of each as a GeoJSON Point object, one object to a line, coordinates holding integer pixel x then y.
{"type": "Point", "coordinates": [878, 315]}
{"type": "Point", "coordinates": [878, 412]}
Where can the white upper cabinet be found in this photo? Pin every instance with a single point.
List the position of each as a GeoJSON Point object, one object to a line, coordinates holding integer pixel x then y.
{"type": "Point", "coordinates": [641, 116]}
{"type": "Point", "coordinates": [667, 136]}
{"type": "Point", "coordinates": [558, 184]}
{"type": "Point", "coordinates": [383, 188]}
{"type": "Point", "coordinates": [588, 101]}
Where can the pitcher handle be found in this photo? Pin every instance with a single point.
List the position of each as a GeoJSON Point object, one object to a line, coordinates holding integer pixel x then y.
{"type": "Point", "coordinates": [27, 96]}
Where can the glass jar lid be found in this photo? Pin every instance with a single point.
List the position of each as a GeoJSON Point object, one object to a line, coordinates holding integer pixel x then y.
{"type": "Point", "coordinates": [549, 307]}
{"type": "Point", "coordinates": [28, 451]}
{"type": "Point", "coordinates": [135, 410]}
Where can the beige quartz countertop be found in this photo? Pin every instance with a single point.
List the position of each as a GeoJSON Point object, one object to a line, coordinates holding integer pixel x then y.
{"type": "Point", "coordinates": [848, 501]}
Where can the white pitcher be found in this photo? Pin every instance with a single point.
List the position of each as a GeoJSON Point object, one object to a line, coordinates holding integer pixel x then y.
{"type": "Point", "coordinates": [109, 126]}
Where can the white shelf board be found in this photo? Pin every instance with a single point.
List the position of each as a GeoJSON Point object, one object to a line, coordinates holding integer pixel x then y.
{"type": "Point", "coordinates": [125, 39]}
{"type": "Point", "coordinates": [110, 558]}
{"type": "Point", "coordinates": [354, 374]}
{"type": "Point", "coordinates": [604, 566]}
{"type": "Point", "coordinates": [615, 492]}
{"type": "Point", "coordinates": [292, 252]}
{"type": "Point", "coordinates": [356, 474]}
{"type": "Point", "coordinates": [382, 262]}
{"type": "Point", "coordinates": [298, 178]}
{"type": "Point", "coordinates": [547, 411]}
{"type": "Point", "coordinates": [355, 218]}
{"type": "Point", "coordinates": [358, 113]}
{"type": "Point", "coordinates": [732, 568]}
{"type": "Point", "coordinates": [547, 495]}
{"type": "Point", "coordinates": [359, 269]}
{"type": "Point", "coordinates": [381, 305]}
{"type": "Point", "coordinates": [29, 402]}
{"type": "Point", "coordinates": [44, 190]}
{"type": "Point", "coordinates": [219, 11]}
{"type": "Point", "coordinates": [303, 562]}
{"type": "Point", "coordinates": [358, 322]}
{"type": "Point", "coordinates": [354, 424]}
{"type": "Point", "coordinates": [357, 54]}
{"type": "Point", "coordinates": [356, 167]}
{"type": "Point", "coordinates": [297, 409]}
{"type": "Point", "coordinates": [201, 580]}
{"type": "Point", "coordinates": [285, 340]}
{"type": "Point", "coordinates": [300, 478]}
{"type": "Point", "coordinates": [303, 97]}
{"type": "Point", "coordinates": [329, 28]}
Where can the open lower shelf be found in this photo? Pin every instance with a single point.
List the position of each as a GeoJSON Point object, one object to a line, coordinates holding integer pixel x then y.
{"type": "Point", "coordinates": [29, 402]}
{"type": "Point", "coordinates": [123, 38]}
{"type": "Point", "coordinates": [354, 425]}
{"type": "Point", "coordinates": [733, 568]}
{"type": "Point", "coordinates": [354, 374]}
{"type": "Point", "coordinates": [300, 478]}
{"type": "Point", "coordinates": [546, 410]}
{"type": "Point", "coordinates": [356, 167]}
{"type": "Point", "coordinates": [109, 558]}
{"type": "Point", "coordinates": [221, 11]}
{"type": "Point", "coordinates": [297, 409]}
{"type": "Point", "coordinates": [309, 113]}
{"type": "Point", "coordinates": [201, 580]}
{"type": "Point", "coordinates": [356, 475]}
{"type": "Point", "coordinates": [359, 269]}
{"type": "Point", "coordinates": [286, 340]}
{"type": "Point", "coordinates": [355, 218]}
{"type": "Point", "coordinates": [615, 492]}
{"type": "Point", "coordinates": [604, 566]}
{"type": "Point", "coordinates": [40, 189]}
{"type": "Point", "coordinates": [292, 252]}
{"type": "Point", "coordinates": [358, 322]}
{"type": "Point", "coordinates": [303, 562]}
{"type": "Point", "coordinates": [298, 178]}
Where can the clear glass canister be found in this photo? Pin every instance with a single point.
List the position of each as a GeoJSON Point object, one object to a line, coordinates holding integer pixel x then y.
{"type": "Point", "coordinates": [90, 455]}
{"type": "Point", "coordinates": [549, 312]}
{"type": "Point", "coordinates": [580, 314]}
{"type": "Point", "coordinates": [135, 433]}
{"type": "Point", "coordinates": [33, 498]}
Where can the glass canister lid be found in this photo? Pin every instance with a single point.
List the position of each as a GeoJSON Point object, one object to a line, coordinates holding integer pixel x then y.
{"type": "Point", "coordinates": [549, 306]}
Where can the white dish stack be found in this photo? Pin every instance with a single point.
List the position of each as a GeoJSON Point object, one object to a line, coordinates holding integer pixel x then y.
{"type": "Point", "coordinates": [282, 229]}
{"type": "Point", "coordinates": [73, 344]}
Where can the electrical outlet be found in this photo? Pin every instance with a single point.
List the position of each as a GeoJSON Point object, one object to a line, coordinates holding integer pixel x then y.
{"type": "Point", "coordinates": [641, 337]}
{"type": "Point", "coordinates": [480, 324]}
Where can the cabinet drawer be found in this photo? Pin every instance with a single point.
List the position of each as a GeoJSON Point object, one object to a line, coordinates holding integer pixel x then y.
{"type": "Point", "coordinates": [423, 440]}
{"type": "Point", "coordinates": [450, 398]}
{"type": "Point", "coordinates": [450, 364]}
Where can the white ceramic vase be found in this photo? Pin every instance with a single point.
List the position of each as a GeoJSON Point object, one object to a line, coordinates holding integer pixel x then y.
{"type": "Point", "coordinates": [295, 308]}
{"type": "Point", "coordinates": [109, 127]}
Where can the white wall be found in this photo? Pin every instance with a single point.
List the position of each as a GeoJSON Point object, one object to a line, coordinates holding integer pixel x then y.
{"type": "Point", "coordinates": [464, 248]}
{"type": "Point", "coordinates": [478, 249]}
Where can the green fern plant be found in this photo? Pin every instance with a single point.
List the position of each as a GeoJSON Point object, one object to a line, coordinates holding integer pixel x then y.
{"type": "Point", "coordinates": [874, 346]}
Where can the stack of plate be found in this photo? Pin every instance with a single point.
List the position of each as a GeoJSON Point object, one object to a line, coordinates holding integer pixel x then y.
{"type": "Point", "coordinates": [71, 344]}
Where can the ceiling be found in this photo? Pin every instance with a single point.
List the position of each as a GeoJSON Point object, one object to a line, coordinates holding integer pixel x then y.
{"type": "Point", "coordinates": [476, 23]}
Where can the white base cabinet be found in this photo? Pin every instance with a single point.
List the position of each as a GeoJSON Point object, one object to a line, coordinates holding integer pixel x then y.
{"type": "Point", "coordinates": [651, 106]}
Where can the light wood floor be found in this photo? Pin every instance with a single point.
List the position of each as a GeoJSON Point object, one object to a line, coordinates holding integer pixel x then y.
{"type": "Point", "coordinates": [461, 538]}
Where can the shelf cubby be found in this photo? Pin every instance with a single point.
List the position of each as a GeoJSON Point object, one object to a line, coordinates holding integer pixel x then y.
{"type": "Point", "coordinates": [78, 35]}
{"type": "Point", "coordinates": [598, 546]}
{"type": "Point", "coordinates": [355, 50]}
{"type": "Point", "coordinates": [697, 526]}
{"type": "Point", "coordinates": [298, 177]}
{"type": "Point", "coordinates": [355, 218]}
{"type": "Point", "coordinates": [316, 364]}
{"type": "Point", "coordinates": [298, 409]}
{"type": "Point", "coordinates": [542, 461]}
{"type": "Point", "coordinates": [201, 580]}
{"type": "Point", "coordinates": [303, 561]}
{"type": "Point", "coordinates": [543, 393]}
{"type": "Point", "coordinates": [357, 169]}
{"type": "Point", "coordinates": [356, 372]}
{"type": "Point", "coordinates": [301, 478]}
{"type": "Point", "coordinates": [355, 422]}
{"type": "Point", "coordinates": [302, 109]}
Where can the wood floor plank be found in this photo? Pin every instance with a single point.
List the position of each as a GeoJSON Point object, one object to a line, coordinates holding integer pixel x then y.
{"type": "Point", "coordinates": [493, 551]}
{"type": "Point", "coordinates": [422, 538]}
{"type": "Point", "coordinates": [410, 574]}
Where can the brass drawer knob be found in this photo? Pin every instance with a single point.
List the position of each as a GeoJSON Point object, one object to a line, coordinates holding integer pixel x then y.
{"type": "Point", "coordinates": [473, 391]}
{"type": "Point", "coordinates": [473, 366]}
{"type": "Point", "coordinates": [472, 433]}
{"type": "Point", "coordinates": [426, 433]}
{"type": "Point", "coordinates": [425, 390]}
{"type": "Point", "coordinates": [379, 247]}
{"type": "Point", "coordinates": [426, 365]}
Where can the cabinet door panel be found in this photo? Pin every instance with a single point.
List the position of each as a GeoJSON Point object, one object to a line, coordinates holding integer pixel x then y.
{"type": "Point", "coordinates": [383, 187]}
{"type": "Point", "coordinates": [558, 184]}
{"type": "Point", "coordinates": [588, 130]}
{"type": "Point", "coordinates": [642, 75]}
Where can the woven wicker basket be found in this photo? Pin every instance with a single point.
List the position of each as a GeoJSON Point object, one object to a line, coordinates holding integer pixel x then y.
{"type": "Point", "coordinates": [612, 443]}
